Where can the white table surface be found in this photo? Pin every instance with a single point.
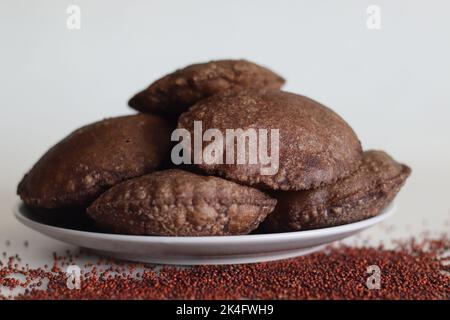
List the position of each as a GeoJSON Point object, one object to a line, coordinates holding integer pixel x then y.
{"type": "Point", "coordinates": [392, 85]}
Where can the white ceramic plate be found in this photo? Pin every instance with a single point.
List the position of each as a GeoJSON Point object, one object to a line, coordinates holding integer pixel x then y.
{"type": "Point", "coordinates": [200, 250]}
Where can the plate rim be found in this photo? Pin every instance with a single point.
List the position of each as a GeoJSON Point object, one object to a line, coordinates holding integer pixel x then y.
{"type": "Point", "coordinates": [186, 240]}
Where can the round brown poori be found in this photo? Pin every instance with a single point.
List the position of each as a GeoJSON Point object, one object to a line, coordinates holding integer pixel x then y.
{"type": "Point", "coordinates": [95, 157]}
{"type": "Point", "coordinates": [316, 146]}
{"type": "Point", "coordinates": [176, 92]}
{"type": "Point", "coordinates": [362, 195]}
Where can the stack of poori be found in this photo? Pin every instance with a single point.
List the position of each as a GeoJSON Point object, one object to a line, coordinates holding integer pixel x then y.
{"type": "Point", "coordinates": [119, 170]}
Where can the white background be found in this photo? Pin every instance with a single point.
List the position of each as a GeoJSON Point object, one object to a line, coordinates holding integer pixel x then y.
{"type": "Point", "coordinates": [392, 85]}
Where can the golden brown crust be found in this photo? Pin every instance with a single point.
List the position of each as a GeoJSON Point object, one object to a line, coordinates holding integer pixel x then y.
{"type": "Point", "coordinates": [360, 196]}
{"type": "Point", "coordinates": [95, 157]}
{"type": "Point", "coordinates": [179, 203]}
{"type": "Point", "coordinates": [176, 92]}
{"type": "Point", "coordinates": [317, 147]}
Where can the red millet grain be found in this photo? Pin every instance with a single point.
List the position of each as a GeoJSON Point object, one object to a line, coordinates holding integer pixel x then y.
{"type": "Point", "coordinates": [411, 270]}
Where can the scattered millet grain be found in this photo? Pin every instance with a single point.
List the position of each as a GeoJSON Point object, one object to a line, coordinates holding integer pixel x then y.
{"type": "Point", "coordinates": [412, 270]}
